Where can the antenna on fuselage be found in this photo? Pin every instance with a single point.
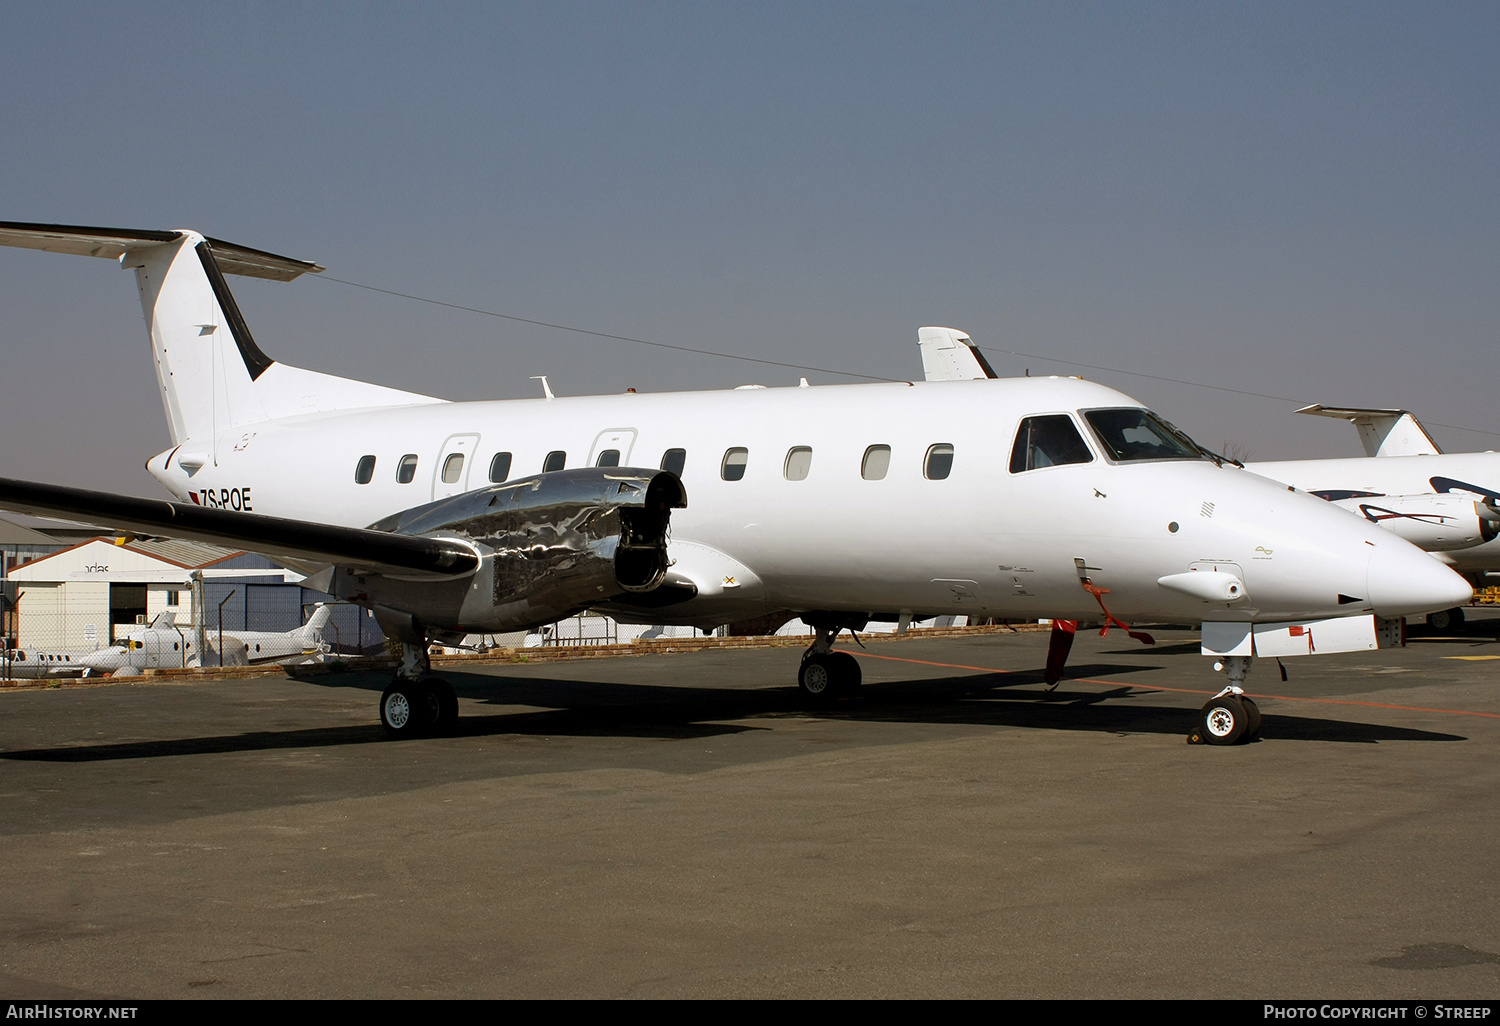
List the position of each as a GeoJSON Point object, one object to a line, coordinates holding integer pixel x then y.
{"type": "Point", "coordinates": [546, 388]}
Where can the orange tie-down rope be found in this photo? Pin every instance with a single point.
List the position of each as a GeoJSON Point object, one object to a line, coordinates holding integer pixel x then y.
{"type": "Point", "coordinates": [1061, 642]}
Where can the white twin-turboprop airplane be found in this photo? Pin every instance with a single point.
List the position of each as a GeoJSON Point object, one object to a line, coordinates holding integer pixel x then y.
{"type": "Point", "coordinates": [1022, 499]}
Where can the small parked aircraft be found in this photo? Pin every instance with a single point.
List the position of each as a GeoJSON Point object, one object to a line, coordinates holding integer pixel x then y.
{"type": "Point", "coordinates": [843, 504]}
{"type": "Point", "coordinates": [21, 664]}
{"type": "Point", "coordinates": [164, 645]}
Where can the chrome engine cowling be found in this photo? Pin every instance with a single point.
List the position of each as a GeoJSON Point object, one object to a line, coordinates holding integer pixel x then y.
{"type": "Point", "coordinates": [549, 546]}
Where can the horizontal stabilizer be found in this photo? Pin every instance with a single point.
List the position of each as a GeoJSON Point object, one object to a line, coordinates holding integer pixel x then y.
{"type": "Point", "coordinates": [374, 552]}
{"type": "Point", "coordinates": [1382, 432]}
{"type": "Point", "coordinates": [113, 243]}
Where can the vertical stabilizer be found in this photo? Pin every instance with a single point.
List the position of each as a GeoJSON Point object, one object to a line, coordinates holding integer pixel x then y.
{"type": "Point", "coordinates": [949, 355]}
{"type": "Point", "coordinates": [1383, 432]}
{"type": "Point", "coordinates": [206, 361]}
{"type": "Point", "coordinates": [310, 634]}
{"type": "Point", "coordinates": [211, 374]}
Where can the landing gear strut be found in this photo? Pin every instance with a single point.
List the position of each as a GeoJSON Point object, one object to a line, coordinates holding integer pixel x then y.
{"type": "Point", "coordinates": [1231, 716]}
{"type": "Point", "coordinates": [825, 674]}
{"type": "Point", "coordinates": [418, 702]}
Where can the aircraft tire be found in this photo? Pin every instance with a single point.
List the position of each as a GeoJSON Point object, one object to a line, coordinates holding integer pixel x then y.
{"type": "Point", "coordinates": [408, 709]}
{"type": "Point", "coordinates": [1223, 721]}
{"type": "Point", "coordinates": [847, 674]}
{"type": "Point", "coordinates": [447, 703]}
{"type": "Point", "coordinates": [1252, 717]}
{"type": "Point", "coordinates": [1446, 619]}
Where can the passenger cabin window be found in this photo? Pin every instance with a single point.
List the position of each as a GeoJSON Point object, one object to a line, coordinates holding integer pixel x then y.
{"type": "Point", "coordinates": [733, 467]}
{"type": "Point", "coordinates": [939, 462]}
{"type": "Point", "coordinates": [453, 468]}
{"type": "Point", "coordinates": [406, 469]}
{"type": "Point", "coordinates": [674, 460]}
{"type": "Point", "coordinates": [364, 471]}
{"type": "Point", "coordinates": [1049, 441]}
{"type": "Point", "coordinates": [1136, 434]}
{"type": "Point", "coordinates": [555, 460]}
{"type": "Point", "coordinates": [877, 463]}
{"type": "Point", "coordinates": [798, 463]}
{"type": "Point", "coordinates": [608, 458]}
{"type": "Point", "coordinates": [500, 467]}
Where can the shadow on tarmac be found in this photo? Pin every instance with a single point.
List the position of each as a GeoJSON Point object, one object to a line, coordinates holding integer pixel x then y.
{"type": "Point", "coordinates": [584, 708]}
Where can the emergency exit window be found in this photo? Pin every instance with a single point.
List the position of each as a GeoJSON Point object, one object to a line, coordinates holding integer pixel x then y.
{"type": "Point", "coordinates": [453, 468]}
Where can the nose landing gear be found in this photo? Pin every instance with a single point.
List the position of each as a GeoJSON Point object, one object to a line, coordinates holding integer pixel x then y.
{"type": "Point", "coordinates": [1230, 717]}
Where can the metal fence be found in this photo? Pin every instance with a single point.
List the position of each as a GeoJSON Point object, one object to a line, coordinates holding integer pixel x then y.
{"type": "Point", "coordinates": [45, 633]}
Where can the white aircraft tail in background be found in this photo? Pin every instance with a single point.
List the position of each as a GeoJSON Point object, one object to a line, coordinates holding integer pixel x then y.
{"type": "Point", "coordinates": [949, 355]}
{"type": "Point", "coordinates": [1382, 432]}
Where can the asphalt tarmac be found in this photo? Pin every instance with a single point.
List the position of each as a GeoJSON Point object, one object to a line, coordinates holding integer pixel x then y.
{"type": "Point", "coordinates": [682, 826]}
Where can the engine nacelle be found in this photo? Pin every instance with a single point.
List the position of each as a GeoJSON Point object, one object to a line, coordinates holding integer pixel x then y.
{"type": "Point", "coordinates": [550, 546]}
{"type": "Point", "coordinates": [1436, 522]}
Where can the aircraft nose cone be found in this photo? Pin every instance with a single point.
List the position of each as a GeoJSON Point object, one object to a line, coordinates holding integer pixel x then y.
{"type": "Point", "coordinates": [1405, 581]}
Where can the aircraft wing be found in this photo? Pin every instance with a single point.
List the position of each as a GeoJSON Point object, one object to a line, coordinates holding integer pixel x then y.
{"type": "Point", "coordinates": [374, 552]}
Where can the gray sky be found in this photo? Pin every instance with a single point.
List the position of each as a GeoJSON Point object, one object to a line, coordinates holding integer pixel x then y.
{"type": "Point", "coordinates": [1291, 199]}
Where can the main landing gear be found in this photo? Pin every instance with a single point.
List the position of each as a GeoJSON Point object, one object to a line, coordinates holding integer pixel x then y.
{"type": "Point", "coordinates": [825, 674]}
{"type": "Point", "coordinates": [418, 702]}
{"type": "Point", "coordinates": [1446, 619]}
{"type": "Point", "coordinates": [1230, 717]}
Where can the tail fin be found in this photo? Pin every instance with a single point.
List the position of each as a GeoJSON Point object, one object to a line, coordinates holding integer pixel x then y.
{"type": "Point", "coordinates": [1383, 432]}
{"type": "Point", "coordinates": [165, 621]}
{"type": "Point", "coordinates": [311, 632]}
{"type": "Point", "coordinates": [212, 375]}
{"type": "Point", "coordinates": [949, 355]}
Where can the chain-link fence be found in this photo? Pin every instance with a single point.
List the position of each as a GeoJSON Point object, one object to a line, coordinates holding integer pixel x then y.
{"type": "Point", "coordinates": [53, 630]}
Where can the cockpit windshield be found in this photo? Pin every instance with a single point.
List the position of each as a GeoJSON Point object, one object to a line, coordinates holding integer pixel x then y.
{"type": "Point", "coordinates": [1132, 433]}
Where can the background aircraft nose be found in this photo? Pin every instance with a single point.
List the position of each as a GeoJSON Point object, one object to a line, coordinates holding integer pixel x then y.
{"type": "Point", "coordinates": [1405, 581]}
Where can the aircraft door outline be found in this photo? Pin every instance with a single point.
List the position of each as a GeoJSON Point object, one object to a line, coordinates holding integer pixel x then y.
{"type": "Point", "coordinates": [462, 446]}
{"type": "Point", "coordinates": [621, 440]}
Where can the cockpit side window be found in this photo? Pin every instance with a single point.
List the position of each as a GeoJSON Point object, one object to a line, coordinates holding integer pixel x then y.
{"type": "Point", "coordinates": [1048, 441]}
{"type": "Point", "coordinates": [1136, 434]}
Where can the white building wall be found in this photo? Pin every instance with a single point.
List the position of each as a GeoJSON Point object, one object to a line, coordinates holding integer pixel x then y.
{"type": "Point", "coordinates": [56, 617]}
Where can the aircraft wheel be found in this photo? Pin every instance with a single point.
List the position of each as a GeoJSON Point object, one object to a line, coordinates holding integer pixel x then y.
{"type": "Point", "coordinates": [447, 703]}
{"type": "Point", "coordinates": [1223, 721]}
{"type": "Point", "coordinates": [1252, 717]}
{"type": "Point", "coordinates": [407, 709]}
{"type": "Point", "coordinates": [818, 677]}
{"type": "Point", "coordinates": [1446, 619]}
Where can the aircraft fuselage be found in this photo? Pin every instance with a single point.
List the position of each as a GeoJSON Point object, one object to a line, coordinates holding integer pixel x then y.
{"type": "Point", "coordinates": [820, 530]}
